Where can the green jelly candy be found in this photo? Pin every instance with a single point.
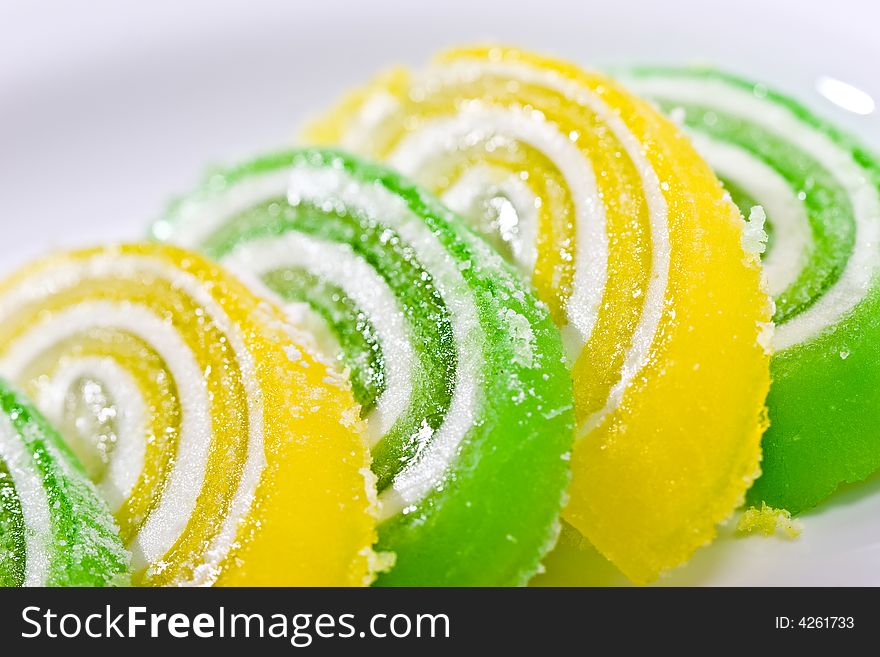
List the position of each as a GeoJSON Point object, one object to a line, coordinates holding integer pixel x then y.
{"type": "Point", "coordinates": [820, 192]}
{"type": "Point", "coordinates": [54, 529]}
{"type": "Point", "coordinates": [458, 369]}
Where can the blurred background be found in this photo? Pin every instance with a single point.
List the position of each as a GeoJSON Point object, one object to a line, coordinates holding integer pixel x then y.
{"type": "Point", "coordinates": [107, 107]}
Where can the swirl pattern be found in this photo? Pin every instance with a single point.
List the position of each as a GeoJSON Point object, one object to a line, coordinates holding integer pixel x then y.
{"type": "Point", "coordinates": [54, 529]}
{"type": "Point", "coordinates": [458, 369]}
{"type": "Point", "coordinates": [819, 192]}
{"type": "Point", "coordinates": [228, 453]}
{"type": "Point", "coordinates": [628, 237]}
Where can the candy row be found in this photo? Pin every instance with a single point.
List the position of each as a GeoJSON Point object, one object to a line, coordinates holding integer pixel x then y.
{"type": "Point", "coordinates": [327, 376]}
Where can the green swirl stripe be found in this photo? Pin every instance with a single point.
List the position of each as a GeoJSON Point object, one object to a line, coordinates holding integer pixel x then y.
{"type": "Point", "coordinates": [348, 324]}
{"type": "Point", "coordinates": [426, 314]}
{"type": "Point", "coordinates": [82, 547]}
{"type": "Point", "coordinates": [824, 403]}
{"type": "Point", "coordinates": [745, 202]}
{"type": "Point", "coordinates": [827, 204]}
{"type": "Point", "coordinates": [472, 471]}
{"type": "Point", "coordinates": [13, 550]}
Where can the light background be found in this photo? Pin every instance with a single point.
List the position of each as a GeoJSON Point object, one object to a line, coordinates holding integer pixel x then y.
{"type": "Point", "coordinates": [108, 107]}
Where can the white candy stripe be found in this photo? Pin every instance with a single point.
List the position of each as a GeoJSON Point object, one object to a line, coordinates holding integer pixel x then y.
{"type": "Point", "coordinates": [478, 122]}
{"type": "Point", "coordinates": [255, 462]}
{"type": "Point", "coordinates": [418, 478]}
{"type": "Point", "coordinates": [34, 502]}
{"type": "Point", "coordinates": [519, 231]}
{"type": "Point", "coordinates": [304, 317]}
{"type": "Point", "coordinates": [196, 221]}
{"type": "Point", "coordinates": [860, 272]}
{"type": "Point", "coordinates": [366, 123]}
{"type": "Point", "coordinates": [339, 265]}
{"type": "Point", "coordinates": [178, 500]}
{"type": "Point", "coordinates": [639, 350]}
{"type": "Point", "coordinates": [788, 254]}
{"type": "Point", "coordinates": [165, 524]}
{"type": "Point", "coordinates": [127, 457]}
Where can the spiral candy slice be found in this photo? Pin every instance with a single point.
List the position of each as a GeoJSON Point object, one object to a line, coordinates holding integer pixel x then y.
{"type": "Point", "coordinates": [54, 529]}
{"type": "Point", "coordinates": [819, 191]}
{"type": "Point", "coordinates": [227, 452]}
{"type": "Point", "coordinates": [627, 236]}
{"type": "Point", "coordinates": [458, 368]}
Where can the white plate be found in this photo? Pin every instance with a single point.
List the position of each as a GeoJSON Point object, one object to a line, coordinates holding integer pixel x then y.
{"type": "Point", "coordinates": [107, 108]}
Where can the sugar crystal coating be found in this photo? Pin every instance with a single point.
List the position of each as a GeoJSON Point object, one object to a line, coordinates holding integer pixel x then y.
{"type": "Point", "coordinates": [820, 192]}
{"type": "Point", "coordinates": [219, 441]}
{"type": "Point", "coordinates": [459, 370]}
{"type": "Point", "coordinates": [632, 243]}
{"type": "Point", "coordinates": [54, 528]}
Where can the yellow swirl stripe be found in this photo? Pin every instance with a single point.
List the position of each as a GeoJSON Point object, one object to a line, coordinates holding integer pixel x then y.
{"type": "Point", "coordinates": [72, 369]}
{"type": "Point", "coordinates": [229, 454]}
{"type": "Point", "coordinates": [629, 238]}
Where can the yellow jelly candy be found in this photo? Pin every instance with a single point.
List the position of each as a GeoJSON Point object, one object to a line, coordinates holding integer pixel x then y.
{"type": "Point", "coordinates": [631, 241]}
{"type": "Point", "coordinates": [228, 453]}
